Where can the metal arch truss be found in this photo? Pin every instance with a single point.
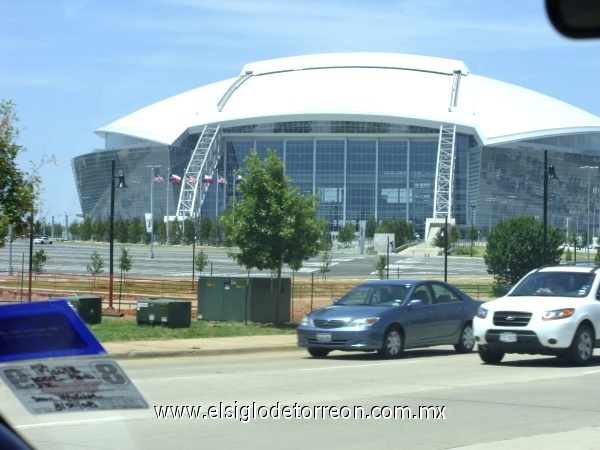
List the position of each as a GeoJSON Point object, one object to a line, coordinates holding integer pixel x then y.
{"type": "Point", "coordinates": [444, 174]}
{"type": "Point", "coordinates": [203, 162]}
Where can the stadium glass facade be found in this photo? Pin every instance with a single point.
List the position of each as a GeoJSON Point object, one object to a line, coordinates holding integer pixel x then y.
{"type": "Point", "coordinates": [362, 170]}
{"type": "Point", "coordinates": [358, 170]}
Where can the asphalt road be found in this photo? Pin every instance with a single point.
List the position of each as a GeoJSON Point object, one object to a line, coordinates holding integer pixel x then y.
{"type": "Point", "coordinates": [526, 402]}
{"type": "Point", "coordinates": [176, 261]}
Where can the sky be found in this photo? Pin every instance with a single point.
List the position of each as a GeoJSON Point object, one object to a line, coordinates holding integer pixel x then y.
{"type": "Point", "coordinates": [73, 66]}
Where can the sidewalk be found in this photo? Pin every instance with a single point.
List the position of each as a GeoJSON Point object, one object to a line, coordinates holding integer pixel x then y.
{"type": "Point", "coordinates": [421, 250]}
{"type": "Point", "coordinates": [201, 346]}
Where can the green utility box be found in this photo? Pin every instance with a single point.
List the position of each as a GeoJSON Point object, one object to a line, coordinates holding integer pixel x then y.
{"type": "Point", "coordinates": [243, 298]}
{"type": "Point", "coordinates": [88, 308]}
{"type": "Point", "coordinates": [165, 312]}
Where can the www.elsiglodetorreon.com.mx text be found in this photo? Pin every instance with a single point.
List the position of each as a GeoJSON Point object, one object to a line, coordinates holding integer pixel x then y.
{"type": "Point", "coordinates": [246, 413]}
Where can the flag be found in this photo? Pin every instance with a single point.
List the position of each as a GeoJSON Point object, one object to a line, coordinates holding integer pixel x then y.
{"type": "Point", "coordinates": [175, 178]}
{"type": "Point", "coordinates": [190, 179]}
{"type": "Point", "coordinates": [239, 179]}
{"type": "Point", "coordinates": [222, 180]}
{"type": "Point", "coordinates": [207, 179]}
{"type": "Point", "coordinates": [159, 179]}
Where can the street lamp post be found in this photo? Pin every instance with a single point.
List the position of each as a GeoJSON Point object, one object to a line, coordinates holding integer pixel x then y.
{"type": "Point", "coordinates": [472, 229]}
{"type": "Point", "coordinates": [549, 174]}
{"type": "Point", "coordinates": [589, 169]}
{"type": "Point", "coordinates": [444, 234]}
{"type": "Point", "coordinates": [111, 235]}
{"type": "Point", "coordinates": [152, 179]}
{"type": "Point", "coordinates": [446, 249]}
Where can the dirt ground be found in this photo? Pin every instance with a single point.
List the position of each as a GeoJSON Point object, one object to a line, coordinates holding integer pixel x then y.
{"type": "Point", "coordinates": [127, 306]}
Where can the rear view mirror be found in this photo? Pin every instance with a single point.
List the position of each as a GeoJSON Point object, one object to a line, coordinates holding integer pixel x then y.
{"type": "Point", "coordinates": [575, 18]}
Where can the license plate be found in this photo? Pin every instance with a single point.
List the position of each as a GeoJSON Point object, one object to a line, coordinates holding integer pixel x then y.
{"type": "Point", "coordinates": [324, 337]}
{"type": "Point", "coordinates": [508, 337]}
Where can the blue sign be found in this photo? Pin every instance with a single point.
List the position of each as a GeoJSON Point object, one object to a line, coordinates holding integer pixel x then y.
{"type": "Point", "coordinates": [44, 330]}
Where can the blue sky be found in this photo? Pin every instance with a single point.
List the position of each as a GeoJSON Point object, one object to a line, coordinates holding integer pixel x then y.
{"type": "Point", "coordinates": [72, 66]}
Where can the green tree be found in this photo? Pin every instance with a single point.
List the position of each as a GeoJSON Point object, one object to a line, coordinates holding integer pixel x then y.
{"type": "Point", "coordinates": [381, 266]}
{"type": "Point", "coordinates": [160, 231]}
{"type": "Point", "coordinates": [325, 263]}
{"type": "Point", "coordinates": [346, 234]}
{"type": "Point", "coordinates": [86, 229]}
{"type": "Point", "coordinates": [18, 192]}
{"type": "Point", "coordinates": [201, 260]}
{"type": "Point", "coordinates": [403, 231]}
{"type": "Point", "coordinates": [325, 238]}
{"type": "Point", "coordinates": [75, 229]}
{"type": "Point", "coordinates": [272, 223]}
{"type": "Point", "coordinates": [189, 232]}
{"type": "Point", "coordinates": [453, 236]}
{"type": "Point", "coordinates": [96, 264]}
{"type": "Point", "coordinates": [204, 231]}
{"type": "Point", "coordinates": [175, 232]}
{"type": "Point", "coordinates": [370, 228]}
{"type": "Point", "coordinates": [121, 229]}
{"type": "Point", "coordinates": [125, 261]}
{"type": "Point", "coordinates": [215, 233]}
{"type": "Point", "coordinates": [99, 231]}
{"type": "Point", "coordinates": [472, 234]}
{"type": "Point", "coordinates": [38, 261]}
{"type": "Point", "coordinates": [135, 230]}
{"type": "Point", "coordinates": [515, 247]}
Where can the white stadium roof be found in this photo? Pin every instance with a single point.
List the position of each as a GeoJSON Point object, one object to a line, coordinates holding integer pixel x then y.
{"type": "Point", "coordinates": [374, 87]}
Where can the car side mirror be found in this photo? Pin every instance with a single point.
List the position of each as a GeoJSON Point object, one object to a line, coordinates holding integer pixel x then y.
{"type": "Point", "coordinates": [415, 303]}
{"type": "Point", "coordinates": [335, 301]}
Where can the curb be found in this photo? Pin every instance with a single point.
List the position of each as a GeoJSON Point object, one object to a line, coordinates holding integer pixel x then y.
{"type": "Point", "coordinates": [201, 352]}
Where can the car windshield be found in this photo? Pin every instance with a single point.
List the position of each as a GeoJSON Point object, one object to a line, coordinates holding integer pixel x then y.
{"type": "Point", "coordinates": [375, 295]}
{"type": "Point", "coordinates": [555, 284]}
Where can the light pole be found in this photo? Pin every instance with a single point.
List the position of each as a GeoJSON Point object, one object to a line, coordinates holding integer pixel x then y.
{"type": "Point", "coordinates": [549, 174]}
{"type": "Point", "coordinates": [589, 169]}
{"type": "Point", "coordinates": [472, 229]}
{"type": "Point", "coordinates": [446, 249]}
{"type": "Point", "coordinates": [111, 235]}
{"type": "Point", "coordinates": [388, 258]}
{"type": "Point", "coordinates": [444, 234]}
{"type": "Point", "coordinates": [153, 178]}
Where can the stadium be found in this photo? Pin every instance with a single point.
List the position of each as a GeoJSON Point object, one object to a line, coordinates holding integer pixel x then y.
{"type": "Point", "coordinates": [374, 135]}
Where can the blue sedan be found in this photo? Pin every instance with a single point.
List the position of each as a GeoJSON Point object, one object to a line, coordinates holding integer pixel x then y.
{"type": "Point", "coordinates": [389, 316]}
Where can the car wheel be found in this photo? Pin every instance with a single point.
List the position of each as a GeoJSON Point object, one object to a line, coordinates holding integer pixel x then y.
{"type": "Point", "coordinates": [582, 348]}
{"type": "Point", "coordinates": [489, 357]}
{"type": "Point", "coordinates": [318, 352]}
{"type": "Point", "coordinates": [466, 342]}
{"type": "Point", "coordinates": [392, 344]}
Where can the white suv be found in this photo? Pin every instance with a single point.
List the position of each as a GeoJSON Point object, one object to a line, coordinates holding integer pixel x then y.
{"type": "Point", "coordinates": [554, 310]}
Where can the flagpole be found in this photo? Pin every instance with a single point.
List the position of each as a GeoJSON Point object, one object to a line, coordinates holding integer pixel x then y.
{"type": "Point", "coordinates": [152, 174]}
{"type": "Point", "coordinates": [217, 199]}
{"type": "Point", "coordinates": [168, 183]}
{"type": "Point", "coordinates": [234, 183]}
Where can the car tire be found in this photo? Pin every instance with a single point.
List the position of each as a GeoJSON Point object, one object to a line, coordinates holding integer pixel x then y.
{"type": "Point", "coordinates": [318, 352]}
{"type": "Point", "coordinates": [490, 357]}
{"type": "Point", "coordinates": [581, 350]}
{"type": "Point", "coordinates": [393, 344]}
{"type": "Point", "coordinates": [466, 342]}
